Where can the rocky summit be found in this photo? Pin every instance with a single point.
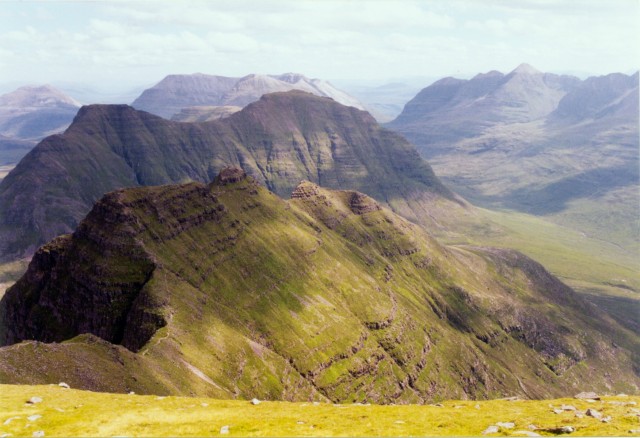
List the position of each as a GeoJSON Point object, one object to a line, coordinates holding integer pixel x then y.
{"type": "Point", "coordinates": [229, 291]}
{"type": "Point", "coordinates": [280, 140]}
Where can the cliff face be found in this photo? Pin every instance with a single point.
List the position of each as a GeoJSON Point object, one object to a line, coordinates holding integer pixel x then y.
{"type": "Point", "coordinates": [70, 289]}
{"type": "Point", "coordinates": [280, 140]}
{"type": "Point", "coordinates": [227, 290]}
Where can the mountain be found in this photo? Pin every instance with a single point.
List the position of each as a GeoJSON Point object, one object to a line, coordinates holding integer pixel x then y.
{"type": "Point", "coordinates": [32, 113]}
{"type": "Point", "coordinates": [536, 142]}
{"type": "Point", "coordinates": [194, 114]}
{"type": "Point", "coordinates": [280, 140]}
{"type": "Point", "coordinates": [29, 114]}
{"type": "Point", "coordinates": [175, 92]}
{"type": "Point", "coordinates": [229, 291]}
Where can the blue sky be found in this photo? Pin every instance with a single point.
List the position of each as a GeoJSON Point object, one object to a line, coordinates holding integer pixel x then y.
{"type": "Point", "coordinates": [120, 44]}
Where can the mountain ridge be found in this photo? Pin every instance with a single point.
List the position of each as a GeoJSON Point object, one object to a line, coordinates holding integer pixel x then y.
{"type": "Point", "coordinates": [544, 144]}
{"type": "Point", "coordinates": [177, 92]}
{"type": "Point", "coordinates": [326, 296]}
{"type": "Point", "coordinates": [279, 140]}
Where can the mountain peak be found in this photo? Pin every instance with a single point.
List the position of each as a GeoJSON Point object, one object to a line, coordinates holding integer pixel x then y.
{"type": "Point", "coordinates": [306, 189]}
{"type": "Point", "coordinates": [527, 69]}
{"type": "Point", "coordinates": [177, 92]}
{"type": "Point", "coordinates": [291, 78]}
{"type": "Point", "coordinates": [41, 96]}
{"type": "Point", "coordinates": [230, 175]}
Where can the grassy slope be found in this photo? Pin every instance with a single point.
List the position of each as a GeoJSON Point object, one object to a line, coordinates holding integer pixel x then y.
{"type": "Point", "coordinates": [605, 273]}
{"type": "Point", "coordinates": [347, 306]}
{"type": "Point", "coordinates": [69, 412]}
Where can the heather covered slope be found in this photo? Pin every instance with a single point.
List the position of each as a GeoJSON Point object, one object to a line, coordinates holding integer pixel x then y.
{"type": "Point", "coordinates": [280, 140]}
{"type": "Point", "coordinates": [227, 290]}
{"type": "Point", "coordinates": [539, 143]}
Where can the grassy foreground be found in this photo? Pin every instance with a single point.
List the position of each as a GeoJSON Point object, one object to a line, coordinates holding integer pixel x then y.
{"type": "Point", "coordinates": [69, 412]}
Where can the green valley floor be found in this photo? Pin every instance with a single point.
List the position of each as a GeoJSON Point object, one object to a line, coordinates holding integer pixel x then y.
{"type": "Point", "coordinates": [56, 411]}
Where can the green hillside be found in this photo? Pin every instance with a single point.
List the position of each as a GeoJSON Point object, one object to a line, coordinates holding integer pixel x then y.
{"type": "Point", "coordinates": [228, 291]}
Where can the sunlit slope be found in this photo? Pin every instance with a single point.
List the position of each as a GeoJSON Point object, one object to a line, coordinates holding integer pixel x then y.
{"type": "Point", "coordinates": [603, 272]}
{"type": "Point", "coordinates": [227, 290]}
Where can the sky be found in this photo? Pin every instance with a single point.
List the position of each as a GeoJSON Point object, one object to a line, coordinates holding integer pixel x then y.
{"type": "Point", "coordinates": [120, 45]}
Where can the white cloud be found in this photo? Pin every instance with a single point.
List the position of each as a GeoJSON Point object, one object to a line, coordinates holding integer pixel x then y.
{"type": "Point", "coordinates": [145, 40]}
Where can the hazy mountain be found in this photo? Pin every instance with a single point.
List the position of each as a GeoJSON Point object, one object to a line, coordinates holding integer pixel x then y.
{"type": "Point", "coordinates": [32, 113]}
{"type": "Point", "coordinates": [280, 140]}
{"type": "Point", "coordinates": [228, 291]}
{"type": "Point", "coordinates": [176, 92]}
{"type": "Point", "coordinates": [537, 142]}
{"type": "Point", "coordinates": [204, 113]}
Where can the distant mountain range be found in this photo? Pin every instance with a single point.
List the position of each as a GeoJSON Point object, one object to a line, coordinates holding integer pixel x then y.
{"type": "Point", "coordinates": [29, 114]}
{"type": "Point", "coordinates": [280, 140]}
{"type": "Point", "coordinates": [177, 92]}
{"type": "Point", "coordinates": [228, 291]}
{"type": "Point", "coordinates": [537, 142]}
{"type": "Point", "coordinates": [32, 113]}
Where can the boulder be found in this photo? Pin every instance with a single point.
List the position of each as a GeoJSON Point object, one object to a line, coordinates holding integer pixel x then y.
{"type": "Point", "coordinates": [490, 429]}
{"type": "Point", "coordinates": [587, 395]}
{"type": "Point", "coordinates": [593, 413]}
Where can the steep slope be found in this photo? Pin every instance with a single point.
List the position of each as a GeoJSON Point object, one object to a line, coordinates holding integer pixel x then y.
{"type": "Point", "coordinates": [280, 140]}
{"type": "Point", "coordinates": [539, 143]}
{"type": "Point", "coordinates": [227, 290]}
{"type": "Point", "coordinates": [176, 92]}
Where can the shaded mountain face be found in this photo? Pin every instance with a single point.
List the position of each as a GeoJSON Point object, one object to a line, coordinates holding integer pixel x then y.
{"type": "Point", "coordinates": [228, 291]}
{"type": "Point", "coordinates": [536, 142]}
{"type": "Point", "coordinates": [280, 140]}
{"type": "Point", "coordinates": [177, 92]}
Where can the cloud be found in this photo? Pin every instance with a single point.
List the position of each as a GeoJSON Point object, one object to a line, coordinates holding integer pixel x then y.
{"type": "Point", "coordinates": [330, 39]}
